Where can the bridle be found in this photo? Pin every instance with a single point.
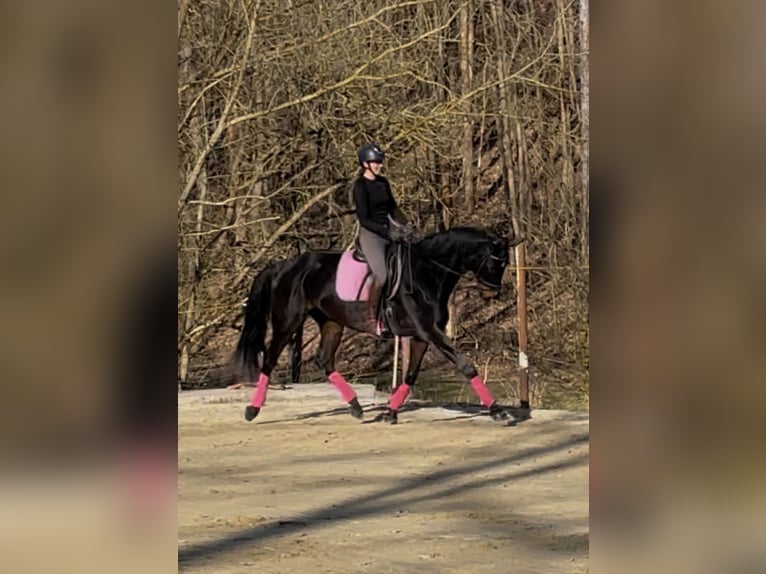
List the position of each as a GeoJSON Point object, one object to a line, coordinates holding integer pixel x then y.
{"type": "Point", "coordinates": [482, 265]}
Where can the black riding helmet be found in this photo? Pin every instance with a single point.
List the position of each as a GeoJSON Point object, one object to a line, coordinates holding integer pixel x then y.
{"type": "Point", "coordinates": [370, 152]}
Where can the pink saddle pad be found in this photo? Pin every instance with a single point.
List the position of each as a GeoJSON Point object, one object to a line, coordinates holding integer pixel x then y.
{"type": "Point", "coordinates": [352, 280]}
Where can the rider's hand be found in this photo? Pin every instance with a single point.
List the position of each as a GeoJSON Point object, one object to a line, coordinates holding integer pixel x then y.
{"type": "Point", "coordinates": [413, 235]}
{"type": "Point", "coordinates": [405, 233]}
{"type": "Point", "coordinates": [397, 233]}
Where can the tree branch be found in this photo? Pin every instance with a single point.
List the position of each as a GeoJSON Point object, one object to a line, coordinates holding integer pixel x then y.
{"type": "Point", "coordinates": [222, 121]}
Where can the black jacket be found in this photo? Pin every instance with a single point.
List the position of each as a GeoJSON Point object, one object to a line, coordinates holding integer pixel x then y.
{"type": "Point", "coordinates": [374, 203]}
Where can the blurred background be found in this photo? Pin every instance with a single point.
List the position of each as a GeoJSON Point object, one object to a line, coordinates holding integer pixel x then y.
{"type": "Point", "coordinates": [87, 463]}
{"type": "Point", "coordinates": [678, 204]}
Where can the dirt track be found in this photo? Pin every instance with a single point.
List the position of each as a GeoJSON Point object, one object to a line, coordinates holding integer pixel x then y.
{"type": "Point", "coordinates": [307, 488]}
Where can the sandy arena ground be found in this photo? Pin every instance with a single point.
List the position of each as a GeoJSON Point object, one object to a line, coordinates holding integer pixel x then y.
{"type": "Point", "coordinates": [307, 488]}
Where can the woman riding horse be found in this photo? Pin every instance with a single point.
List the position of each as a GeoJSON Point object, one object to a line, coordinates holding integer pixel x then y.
{"type": "Point", "coordinates": [286, 293]}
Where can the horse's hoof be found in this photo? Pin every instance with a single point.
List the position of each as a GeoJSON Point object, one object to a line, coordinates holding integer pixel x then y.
{"type": "Point", "coordinates": [513, 415]}
{"type": "Point", "coordinates": [389, 416]}
{"type": "Point", "coordinates": [498, 413]}
{"type": "Point", "coordinates": [251, 412]}
{"type": "Point", "coordinates": [355, 409]}
{"type": "Point", "coordinates": [520, 414]}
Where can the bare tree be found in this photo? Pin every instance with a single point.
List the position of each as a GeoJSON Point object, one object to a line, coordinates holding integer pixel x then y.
{"type": "Point", "coordinates": [482, 106]}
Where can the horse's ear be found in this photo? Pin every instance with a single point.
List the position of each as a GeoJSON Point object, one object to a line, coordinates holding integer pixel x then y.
{"type": "Point", "coordinates": [505, 235]}
{"type": "Point", "coordinates": [501, 228]}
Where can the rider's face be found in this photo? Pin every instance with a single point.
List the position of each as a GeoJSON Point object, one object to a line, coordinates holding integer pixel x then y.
{"type": "Point", "coordinates": [374, 166]}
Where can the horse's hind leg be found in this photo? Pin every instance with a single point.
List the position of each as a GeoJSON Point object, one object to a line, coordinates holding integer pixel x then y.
{"type": "Point", "coordinates": [282, 333]}
{"type": "Point", "coordinates": [331, 333]}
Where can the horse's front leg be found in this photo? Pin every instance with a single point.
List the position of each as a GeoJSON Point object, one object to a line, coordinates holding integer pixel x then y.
{"type": "Point", "coordinates": [440, 340]}
{"type": "Point", "coordinates": [405, 346]}
{"type": "Point", "coordinates": [417, 349]}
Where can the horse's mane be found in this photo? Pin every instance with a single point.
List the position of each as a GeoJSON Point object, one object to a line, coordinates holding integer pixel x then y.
{"type": "Point", "coordinates": [461, 234]}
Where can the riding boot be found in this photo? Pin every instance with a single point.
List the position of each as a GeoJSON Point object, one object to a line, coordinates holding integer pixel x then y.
{"type": "Point", "coordinates": [372, 305]}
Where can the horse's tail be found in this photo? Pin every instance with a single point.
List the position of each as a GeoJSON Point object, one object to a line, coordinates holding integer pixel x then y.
{"type": "Point", "coordinates": [252, 341]}
{"type": "Point", "coordinates": [296, 355]}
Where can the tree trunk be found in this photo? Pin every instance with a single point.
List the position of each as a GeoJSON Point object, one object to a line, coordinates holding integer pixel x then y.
{"type": "Point", "coordinates": [466, 79]}
{"type": "Point", "coordinates": [193, 243]}
{"type": "Point", "coordinates": [585, 127]}
{"type": "Point", "coordinates": [567, 177]}
{"type": "Point", "coordinates": [504, 127]}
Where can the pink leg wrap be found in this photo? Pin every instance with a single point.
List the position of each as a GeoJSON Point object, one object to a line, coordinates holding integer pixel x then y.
{"type": "Point", "coordinates": [259, 395]}
{"type": "Point", "coordinates": [481, 389]}
{"type": "Point", "coordinates": [399, 396]}
{"type": "Point", "coordinates": [345, 390]}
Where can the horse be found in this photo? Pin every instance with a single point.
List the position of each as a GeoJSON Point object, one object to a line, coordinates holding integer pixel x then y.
{"type": "Point", "coordinates": [315, 284]}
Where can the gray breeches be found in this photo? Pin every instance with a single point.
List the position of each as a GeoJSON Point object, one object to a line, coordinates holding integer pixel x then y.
{"type": "Point", "coordinates": [374, 249]}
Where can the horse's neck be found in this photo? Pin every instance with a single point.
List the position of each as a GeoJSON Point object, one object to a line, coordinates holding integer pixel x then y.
{"type": "Point", "coordinates": [447, 286]}
{"type": "Point", "coordinates": [450, 254]}
{"type": "Point", "coordinates": [445, 259]}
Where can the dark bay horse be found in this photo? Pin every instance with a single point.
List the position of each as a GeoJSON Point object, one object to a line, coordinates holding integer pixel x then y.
{"type": "Point", "coordinates": [287, 292]}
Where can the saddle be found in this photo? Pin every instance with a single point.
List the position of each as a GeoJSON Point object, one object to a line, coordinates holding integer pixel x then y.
{"type": "Point", "coordinates": [354, 276]}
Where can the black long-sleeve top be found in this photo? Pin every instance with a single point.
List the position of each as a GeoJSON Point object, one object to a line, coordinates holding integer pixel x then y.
{"type": "Point", "coordinates": [374, 203]}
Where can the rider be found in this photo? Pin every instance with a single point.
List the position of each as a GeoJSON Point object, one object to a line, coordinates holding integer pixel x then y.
{"type": "Point", "coordinates": [380, 221]}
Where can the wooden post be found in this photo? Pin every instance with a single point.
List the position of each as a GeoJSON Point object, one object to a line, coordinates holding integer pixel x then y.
{"type": "Point", "coordinates": [404, 343]}
{"type": "Point", "coordinates": [396, 362]}
{"type": "Point", "coordinates": [521, 293]}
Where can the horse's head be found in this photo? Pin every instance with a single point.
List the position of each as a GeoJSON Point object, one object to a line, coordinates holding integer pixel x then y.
{"type": "Point", "coordinates": [488, 263]}
{"type": "Point", "coordinates": [470, 249]}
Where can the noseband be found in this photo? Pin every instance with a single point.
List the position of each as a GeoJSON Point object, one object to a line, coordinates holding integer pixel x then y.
{"type": "Point", "coordinates": [482, 265]}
